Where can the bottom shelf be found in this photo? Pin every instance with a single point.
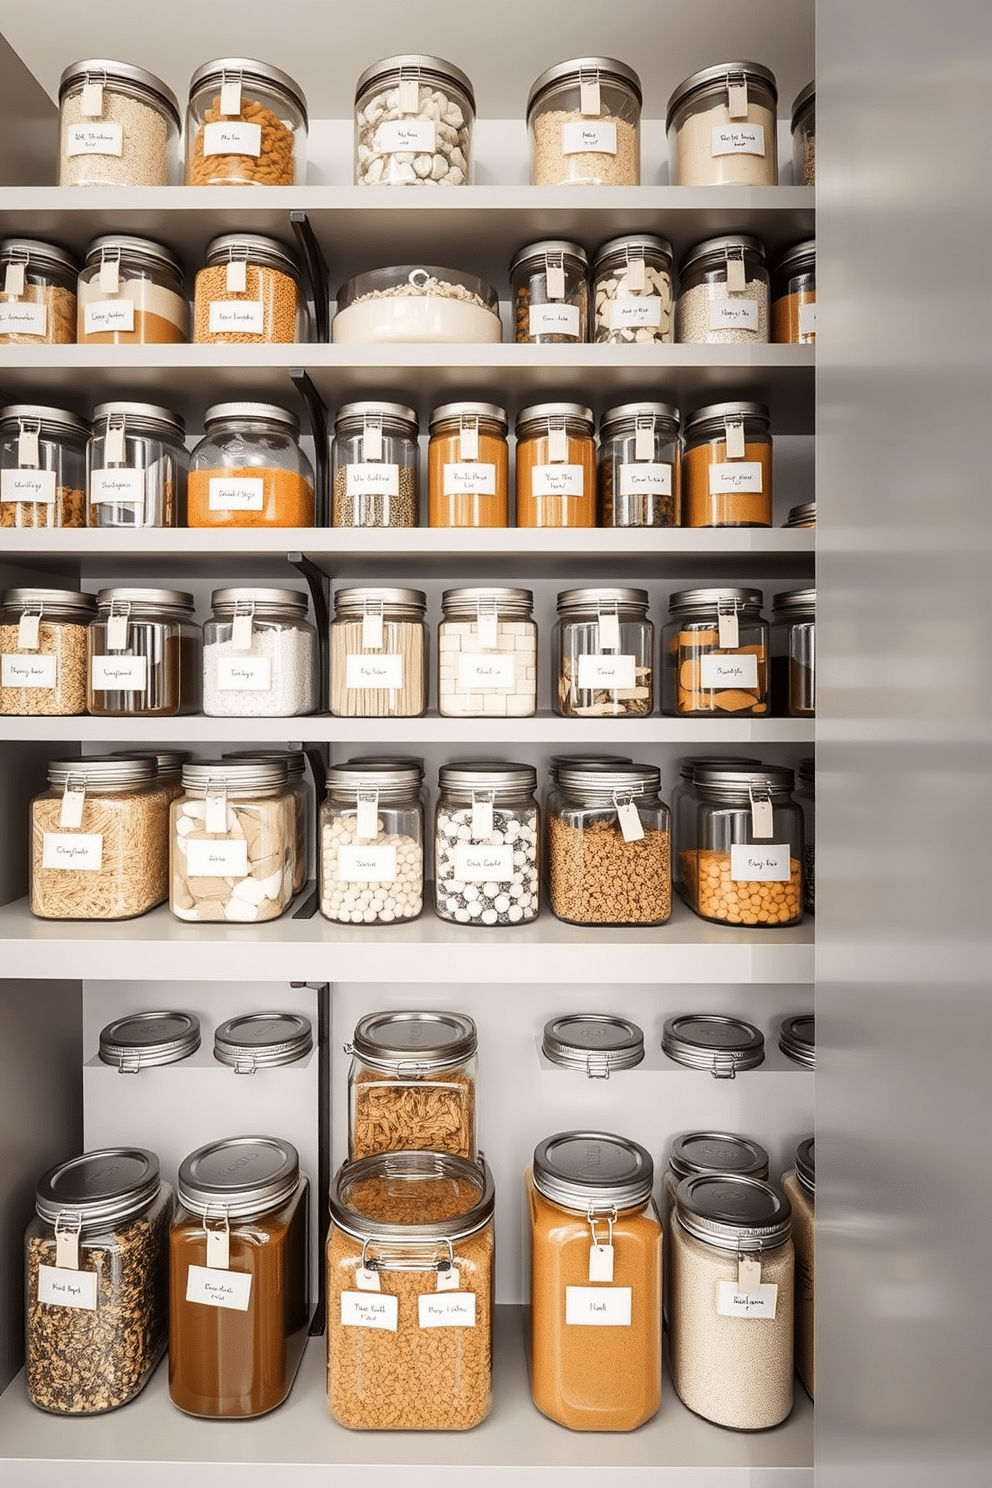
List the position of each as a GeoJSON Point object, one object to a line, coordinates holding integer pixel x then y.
{"type": "Point", "coordinates": [301, 1439]}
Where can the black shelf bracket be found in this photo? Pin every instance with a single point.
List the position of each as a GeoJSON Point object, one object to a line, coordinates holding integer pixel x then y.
{"type": "Point", "coordinates": [319, 585]}
{"type": "Point", "coordinates": [317, 415]}
{"type": "Point", "coordinates": [316, 276]}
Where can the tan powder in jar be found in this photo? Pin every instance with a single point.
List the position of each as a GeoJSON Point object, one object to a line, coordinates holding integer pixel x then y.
{"type": "Point", "coordinates": [552, 167]}
{"type": "Point", "coordinates": [787, 321]}
{"type": "Point", "coordinates": [406, 1114]}
{"type": "Point", "coordinates": [277, 293]}
{"type": "Point", "coordinates": [467, 508]}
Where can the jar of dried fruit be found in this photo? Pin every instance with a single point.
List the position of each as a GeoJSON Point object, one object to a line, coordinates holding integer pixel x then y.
{"type": "Point", "coordinates": [42, 467]}
{"type": "Point", "coordinates": [43, 651]}
{"type": "Point", "coordinates": [550, 285]}
{"type": "Point", "coordinates": [743, 863]}
{"type": "Point", "coordinates": [556, 466]}
{"type": "Point", "coordinates": [411, 1086]}
{"type": "Point", "coordinates": [37, 293]}
{"type": "Point", "coordinates": [727, 466]}
{"type": "Point", "coordinates": [584, 124]}
{"type": "Point", "coordinates": [371, 863]}
{"type": "Point", "coordinates": [715, 654]}
{"type": "Point", "coordinates": [375, 462]}
{"type": "Point", "coordinates": [246, 125]}
{"type": "Point", "coordinates": [640, 460]}
{"type": "Point", "coordinates": [602, 649]}
{"type": "Point", "coordinates": [136, 466]}
{"type": "Point", "coordinates": [248, 292]}
{"type": "Point", "coordinates": [609, 847]}
{"type": "Point", "coordinates": [248, 470]}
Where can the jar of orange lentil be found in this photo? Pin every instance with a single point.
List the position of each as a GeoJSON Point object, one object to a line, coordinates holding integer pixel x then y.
{"type": "Point", "coordinates": [248, 293]}
{"type": "Point", "coordinates": [249, 470]}
{"type": "Point", "coordinates": [556, 466]}
{"type": "Point", "coordinates": [467, 466]}
{"type": "Point", "coordinates": [246, 125]}
{"type": "Point", "coordinates": [727, 466]}
{"type": "Point", "coordinates": [411, 1086]}
{"type": "Point", "coordinates": [743, 863]}
{"type": "Point", "coordinates": [794, 295]}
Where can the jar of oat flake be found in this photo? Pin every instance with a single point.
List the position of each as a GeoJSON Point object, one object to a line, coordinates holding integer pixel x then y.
{"type": "Point", "coordinates": [584, 124]}
{"type": "Point", "coordinates": [37, 293]}
{"type": "Point", "coordinates": [723, 293]}
{"type": "Point", "coordinates": [640, 460]}
{"type": "Point", "coordinates": [487, 844]}
{"type": "Point", "coordinates": [246, 125]}
{"type": "Point", "coordinates": [42, 467]}
{"type": "Point", "coordinates": [487, 654]}
{"type": "Point", "coordinates": [411, 1085]}
{"type": "Point", "coordinates": [414, 117]}
{"type": "Point", "coordinates": [633, 292]}
{"type": "Point", "coordinates": [371, 862]}
{"type": "Point", "coordinates": [118, 126]}
{"type": "Point", "coordinates": [43, 651]}
{"type": "Point", "coordinates": [722, 129]}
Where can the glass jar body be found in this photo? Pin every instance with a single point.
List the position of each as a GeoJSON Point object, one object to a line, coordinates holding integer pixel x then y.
{"type": "Point", "coordinates": [274, 677]}
{"type": "Point", "coordinates": [242, 875]}
{"type": "Point", "coordinates": [703, 679]}
{"type": "Point", "coordinates": [43, 313]}
{"type": "Point", "coordinates": [541, 318]}
{"type": "Point", "coordinates": [51, 493]}
{"type": "Point", "coordinates": [48, 679]}
{"type": "Point", "coordinates": [113, 866]}
{"type": "Point", "coordinates": [634, 298]}
{"type": "Point", "coordinates": [134, 141]}
{"type": "Point", "coordinates": [804, 1242]}
{"type": "Point", "coordinates": [468, 493]}
{"type": "Point", "coordinates": [638, 492]}
{"type": "Point", "coordinates": [148, 308]}
{"type": "Point", "coordinates": [571, 148]}
{"type": "Point", "coordinates": [263, 144]}
{"type": "Point", "coordinates": [708, 146]}
{"type": "Point", "coordinates": [794, 665]}
{"type": "Point", "coordinates": [378, 682]}
{"type": "Point", "coordinates": [593, 682]}
{"type": "Point", "coordinates": [486, 681]}
{"type": "Point", "coordinates": [384, 492]}
{"type": "Point", "coordinates": [595, 877]}
{"type": "Point", "coordinates": [426, 145]}
{"type": "Point", "coordinates": [411, 1107]}
{"type": "Point", "coordinates": [147, 488]}
{"type": "Point", "coordinates": [250, 472]}
{"type": "Point", "coordinates": [553, 492]}
{"type": "Point", "coordinates": [377, 880]}
{"type": "Point", "coordinates": [732, 877]}
{"type": "Point", "coordinates": [804, 144]}
{"type": "Point", "coordinates": [492, 880]}
{"type": "Point", "coordinates": [157, 674]}
{"type": "Point", "coordinates": [268, 311]}
{"type": "Point", "coordinates": [720, 492]}
{"type": "Point", "coordinates": [709, 313]}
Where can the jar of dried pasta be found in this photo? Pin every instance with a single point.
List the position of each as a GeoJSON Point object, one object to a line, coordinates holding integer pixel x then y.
{"type": "Point", "coordinates": [248, 293]}
{"type": "Point", "coordinates": [799, 1187]}
{"type": "Point", "coordinates": [136, 466]}
{"type": "Point", "coordinates": [42, 467]}
{"type": "Point", "coordinates": [804, 137]}
{"type": "Point", "coordinates": [37, 293]}
{"type": "Point", "coordinates": [246, 125]}
{"type": "Point", "coordinates": [118, 126]}
{"type": "Point", "coordinates": [730, 1311]}
{"type": "Point", "coordinates": [259, 654]}
{"type": "Point", "coordinates": [609, 847]}
{"type": "Point", "coordinates": [144, 654]}
{"type": "Point", "coordinates": [414, 117]}
{"type": "Point", "coordinates": [487, 844]}
{"type": "Point", "coordinates": [715, 654]}
{"type": "Point", "coordinates": [375, 462]}
{"type": "Point", "coordinates": [379, 653]}
{"type": "Point", "coordinates": [411, 1085]}
{"type": "Point", "coordinates": [722, 128]}
{"type": "Point", "coordinates": [100, 840]}
{"type": "Point", "coordinates": [248, 470]}
{"type": "Point", "coordinates": [371, 865]}
{"type": "Point", "coordinates": [487, 654]}
{"type": "Point", "coordinates": [556, 466]}
{"type": "Point", "coordinates": [602, 651]}
{"type": "Point", "coordinates": [129, 293]}
{"type": "Point", "coordinates": [584, 124]}
{"type": "Point", "coordinates": [595, 1282]}
{"type": "Point", "coordinates": [468, 466]}
{"type": "Point", "coordinates": [633, 291]}
{"type": "Point", "coordinates": [743, 863]}
{"type": "Point", "coordinates": [723, 293]}
{"type": "Point", "coordinates": [43, 651]}
{"type": "Point", "coordinates": [794, 653]}
{"type": "Point", "coordinates": [684, 800]}
{"type": "Point", "coordinates": [410, 1292]}
{"type": "Point", "coordinates": [640, 458]}
{"type": "Point", "coordinates": [704, 1152]}
{"type": "Point", "coordinates": [794, 296]}
{"type": "Point", "coordinates": [301, 795]}
{"type": "Point", "coordinates": [727, 466]}
{"type": "Point", "coordinates": [550, 285]}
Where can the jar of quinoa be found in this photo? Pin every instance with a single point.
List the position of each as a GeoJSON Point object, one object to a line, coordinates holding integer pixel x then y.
{"type": "Point", "coordinates": [249, 470]}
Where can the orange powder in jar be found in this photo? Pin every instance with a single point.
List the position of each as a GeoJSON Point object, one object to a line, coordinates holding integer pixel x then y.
{"type": "Point", "coordinates": [286, 499]}
{"type": "Point", "coordinates": [703, 507]}
{"type": "Point", "coordinates": [538, 503]}
{"type": "Point", "coordinates": [454, 499]}
{"type": "Point", "coordinates": [787, 322]}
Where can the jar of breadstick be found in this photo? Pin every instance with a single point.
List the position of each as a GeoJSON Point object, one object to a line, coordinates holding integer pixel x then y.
{"type": "Point", "coordinates": [411, 1086]}
{"type": "Point", "coordinates": [246, 125]}
{"type": "Point", "coordinates": [379, 653]}
{"type": "Point", "coordinates": [715, 655]}
{"type": "Point", "coordinates": [743, 863]}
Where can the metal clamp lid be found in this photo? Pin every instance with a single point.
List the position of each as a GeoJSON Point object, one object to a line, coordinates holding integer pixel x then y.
{"type": "Point", "coordinates": [507, 601]}
{"type": "Point", "coordinates": [391, 413]}
{"type": "Point", "coordinates": [538, 253]}
{"type": "Point", "coordinates": [239, 1176]}
{"type": "Point", "coordinates": [480, 775]}
{"type": "Point", "coordinates": [254, 248]}
{"type": "Point", "coordinates": [144, 251]}
{"type": "Point", "coordinates": [38, 255]}
{"type": "Point", "coordinates": [262, 1041]}
{"type": "Point", "coordinates": [594, 1042]}
{"type": "Point", "coordinates": [227, 599]}
{"type": "Point", "coordinates": [691, 763]}
{"type": "Point", "coordinates": [717, 1152]}
{"type": "Point", "coordinates": [703, 599]}
{"type": "Point", "coordinates": [799, 259]}
{"type": "Point", "coordinates": [583, 599]}
{"type": "Point", "coordinates": [102, 1187]}
{"type": "Point", "coordinates": [394, 786]}
{"type": "Point", "coordinates": [102, 769]}
{"type": "Point", "coordinates": [414, 1041]}
{"type": "Point", "coordinates": [733, 1211]}
{"type": "Point", "coordinates": [295, 760]}
{"type": "Point", "coordinates": [559, 762]}
{"type": "Point", "coordinates": [717, 414]}
{"type": "Point", "coordinates": [446, 411]}
{"type": "Point", "coordinates": [591, 1170]}
{"type": "Point", "coordinates": [594, 783]}
{"type": "Point", "coordinates": [247, 70]}
{"type": "Point", "coordinates": [714, 1042]}
{"type": "Point", "coordinates": [607, 69]}
{"type": "Point", "coordinates": [147, 599]}
{"type": "Point", "coordinates": [615, 419]}
{"type": "Point", "coordinates": [136, 79]}
{"type": "Point", "coordinates": [641, 243]}
{"type": "Point", "coordinates": [793, 602]}
{"type": "Point", "coordinates": [718, 249]}
{"type": "Point", "coordinates": [373, 1198]}
{"type": "Point", "coordinates": [718, 79]}
{"type": "Point", "coordinates": [797, 1039]}
{"type": "Point", "coordinates": [778, 779]}
{"type": "Point", "coordinates": [806, 1165]}
{"type": "Point", "coordinates": [802, 101]}
{"type": "Point", "coordinates": [59, 604]}
{"type": "Point", "coordinates": [235, 774]}
{"type": "Point", "coordinates": [269, 412]}
{"type": "Point", "coordinates": [414, 64]}
{"type": "Point", "coordinates": [53, 423]}
{"type": "Point", "coordinates": [140, 418]}
{"type": "Point", "coordinates": [538, 414]}
{"type": "Point", "coordinates": [142, 1040]}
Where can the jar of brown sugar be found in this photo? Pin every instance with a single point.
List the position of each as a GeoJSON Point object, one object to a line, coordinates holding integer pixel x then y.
{"type": "Point", "coordinates": [799, 1187]}
{"type": "Point", "coordinates": [130, 292]}
{"type": "Point", "coordinates": [375, 460]}
{"type": "Point", "coordinates": [794, 296]}
{"type": "Point", "coordinates": [584, 124]}
{"type": "Point", "coordinates": [722, 127]}
{"type": "Point", "coordinates": [609, 847]}
{"type": "Point", "coordinates": [743, 863]}
{"type": "Point", "coordinates": [723, 293]}
{"type": "Point", "coordinates": [136, 466]}
{"type": "Point", "coordinates": [411, 1086]}
{"type": "Point", "coordinates": [118, 126]}
{"type": "Point", "coordinates": [550, 284]}
{"type": "Point", "coordinates": [248, 293]}
{"type": "Point", "coordinates": [556, 466]}
{"type": "Point", "coordinates": [715, 654]}
{"type": "Point", "coordinates": [37, 293]}
{"type": "Point", "coordinates": [467, 466]}
{"type": "Point", "coordinates": [42, 467]}
{"type": "Point", "coordinates": [248, 470]}
{"type": "Point", "coordinates": [144, 654]}
{"type": "Point", "coordinates": [727, 466]}
{"type": "Point", "coordinates": [246, 125]}
{"type": "Point", "coordinates": [640, 463]}
{"type": "Point", "coordinates": [43, 651]}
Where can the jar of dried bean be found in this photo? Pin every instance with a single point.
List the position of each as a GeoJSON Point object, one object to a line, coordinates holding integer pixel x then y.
{"type": "Point", "coordinates": [144, 654]}
{"type": "Point", "coordinates": [38, 293]}
{"type": "Point", "coordinates": [704, 1152]}
{"type": "Point", "coordinates": [375, 460]}
{"type": "Point", "coordinates": [238, 1277]}
{"type": "Point", "coordinates": [714, 1042]}
{"type": "Point", "coordinates": [130, 292]}
{"type": "Point", "coordinates": [806, 796]}
{"type": "Point", "coordinates": [487, 654]}
{"type": "Point", "coordinates": [804, 137]}
{"type": "Point", "coordinates": [248, 293]}
{"type": "Point", "coordinates": [246, 125]}
{"type": "Point", "coordinates": [794, 653]}
{"type": "Point", "coordinates": [379, 653]}
{"type": "Point", "coordinates": [723, 293]}
{"type": "Point", "coordinates": [467, 466]}
{"type": "Point", "coordinates": [136, 466]}
{"type": "Point", "coordinates": [259, 1041]}
{"type": "Point", "coordinates": [411, 1086]}
{"type": "Point", "coordinates": [632, 290]}
{"type": "Point", "coordinates": [609, 847]}
{"type": "Point", "coordinates": [595, 1282]}
{"type": "Point", "coordinates": [799, 1187]}
{"type": "Point", "coordinates": [410, 1292]}
{"type": "Point", "coordinates": [487, 844]}
{"type": "Point", "coordinates": [730, 1309]}
{"type": "Point", "coordinates": [148, 1040]}
{"type": "Point", "coordinates": [602, 651]}
{"type": "Point", "coordinates": [99, 840]}
{"type": "Point", "coordinates": [43, 651]}
{"type": "Point", "coordinates": [684, 801]}
{"type": "Point", "coordinates": [596, 1043]}
{"type": "Point", "coordinates": [743, 864]}
{"type": "Point", "coordinates": [794, 296]}
{"type": "Point", "coordinates": [715, 654]}
{"type": "Point", "coordinates": [640, 459]}
{"type": "Point", "coordinates": [584, 124]}
{"type": "Point", "coordinates": [248, 470]}
{"type": "Point", "coordinates": [550, 284]}
{"type": "Point", "coordinates": [372, 846]}
{"type": "Point", "coordinates": [304, 810]}
{"type": "Point", "coordinates": [727, 466]}
{"type": "Point", "coordinates": [42, 467]}
{"type": "Point", "coordinates": [414, 117]}
{"type": "Point", "coordinates": [118, 126]}
{"type": "Point", "coordinates": [556, 466]}
{"type": "Point", "coordinates": [722, 128]}
{"type": "Point", "coordinates": [259, 655]}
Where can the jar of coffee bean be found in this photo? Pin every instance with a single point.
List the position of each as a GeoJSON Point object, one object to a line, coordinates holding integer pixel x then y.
{"type": "Point", "coordinates": [486, 843]}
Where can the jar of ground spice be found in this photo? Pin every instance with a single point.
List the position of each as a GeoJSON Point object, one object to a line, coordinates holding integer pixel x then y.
{"type": "Point", "coordinates": [248, 293]}
{"type": "Point", "coordinates": [704, 1152]}
{"type": "Point", "coordinates": [375, 461]}
{"type": "Point", "coordinates": [144, 654]}
{"type": "Point", "coordinates": [806, 796]}
{"type": "Point", "coordinates": [715, 654]}
{"type": "Point", "coordinates": [238, 1277]}
{"type": "Point", "coordinates": [467, 466]}
{"type": "Point", "coordinates": [799, 1187]}
{"type": "Point", "coordinates": [42, 467]}
{"type": "Point", "coordinates": [43, 651]}
{"type": "Point", "coordinates": [556, 466]}
{"type": "Point", "coordinates": [804, 137]}
{"type": "Point", "coordinates": [640, 460]}
{"type": "Point", "coordinates": [550, 284]}
{"type": "Point", "coordinates": [723, 293]}
{"type": "Point", "coordinates": [794, 296]}
{"type": "Point", "coordinates": [248, 470]}
{"type": "Point", "coordinates": [371, 866]}
{"type": "Point", "coordinates": [136, 466]}
{"type": "Point", "coordinates": [684, 801]}
{"type": "Point", "coordinates": [722, 128]}
{"type": "Point", "coordinates": [411, 1086]}
{"type": "Point", "coordinates": [487, 654]}
{"type": "Point", "coordinates": [379, 653]}
{"type": "Point", "coordinates": [595, 1282]}
{"type": "Point", "coordinates": [410, 1292]}
{"type": "Point", "coordinates": [794, 653]}
{"type": "Point", "coordinates": [246, 125]}
{"type": "Point", "coordinates": [602, 651]}
{"type": "Point", "coordinates": [300, 794]}
{"type": "Point", "coordinates": [129, 293]}
{"type": "Point", "coordinates": [743, 863]}
{"type": "Point", "coordinates": [414, 117]}
{"type": "Point", "coordinates": [487, 844]}
{"type": "Point", "coordinates": [633, 291]}
{"type": "Point", "coordinates": [118, 126]}
{"type": "Point", "coordinates": [584, 124]}
{"type": "Point", "coordinates": [609, 847]}
{"type": "Point", "coordinates": [727, 466]}
{"type": "Point", "coordinates": [259, 655]}
{"type": "Point", "coordinates": [37, 293]}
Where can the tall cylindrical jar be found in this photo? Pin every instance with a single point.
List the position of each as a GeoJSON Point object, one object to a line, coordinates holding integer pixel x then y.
{"type": "Point", "coordinates": [704, 1152]}
{"type": "Point", "coordinates": [640, 459]}
{"type": "Point", "coordinates": [118, 126]}
{"type": "Point", "coordinates": [794, 296]}
{"type": "Point", "coordinates": [259, 655]}
{"type": "Point", "coordinates": [723, 293]}
{"type": "Point", "coordinates": [806, 796]}
{"type": "Point", "coordinates": [375, 463]}
{"type": "Point", "coordinates": [609, 847]}
{"type": "Point", "coordinates": [412, 1084]}
{"type": "Point", "coordinates": [584, 124]}
{"type": "Point", "coordinates": [804, 137]}
{"type": "Point", "coordinates": [633, 291]}
{"type": "Point", "coordinates": [248, 470]}
{"type": "Point", "coordinates": [727, 466]}
{"type": "Point", "coordinates": [371, 863]}
{"type": "Point", "coordinates": [595, 1282]}
{"type": "Point", "coordinates": [603, 654]}
{"type": "Point", "coordinates": [248, 293]}
{"type": "Point", "coordinates": [684, 802]}
{"type": "Point", "coordinates": [487, 844]}
{"type": "Point", "coordinates": [794, 653]}
{"type": "Point", "coordinates": [715, 654]}
{"type": "Point", "coordinates": [246, 125]}
{"type": "Point", "coordinates": [414, 117]}
{"type": "Point", "coordinates": [301, 797]}
{"type": "Point", "coordinates": [37, 293]}
{"type": "Point", "coordinates": [743, 864]}
{"type": "Point", "coordinates": [130, 293]}
{"type": "Point", "coordinates": [144, 654]}
{"type": "Point", "coordinates": [556, 466]}
{"type": "Point", "coordinates": [136, 466]}
{"type": "Point", "coordinates": [468, 466]}
{"type": "Point", "coordinates": [379, 653]}
{"type": "Point", "coordinates": [550, 286]}
{"type": "Point", "coordinates": [487, 654]}
{"type": "Point", "coordinates": [799, 1187]}
{"type": "Point", "coordinates": [43, 651]}
{"type": "Point", "coordinates": [722, 129]}
{"type": "Point", "coordinates": [42, 467]}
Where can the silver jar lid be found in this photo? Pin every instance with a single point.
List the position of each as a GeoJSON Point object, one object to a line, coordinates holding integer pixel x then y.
{"type": "Point", "coordinates": [588, 599]}
{"type": "Point", "coordinates": [802, 101]}
{"type": "Point", "coordinates": [239, 1176]}
{"type": "Point", "coordinates": [270, 413]}
{"type": "Point", "coordinates": [806, 1165]}
{"type": "Point", "coordinates": [413, 64]}
{"type": "Point", "coordinates": [414, 1042]}
{"type": "Point", "coordinates": [168, 762]}
{"type": "Point", "coordinates": [517, 603]}
{"type": "Point", "coordinates": [139, 418]}
{"type": "Point", "coordinates": [799, 259]}
{"type": "Point", "coordinates": [777, 779]}
{"type": "Point", "coordinates": [142, 1040]}
{"type": "Point", "coordinates": [172, 601]}
{"type": "Point", "coordinates": [43, 257]}
{"type": "Point", "coordinates": [713, 418]}
{"type": "Point", "coordinates": [295, 760]}
{"type": "Point", "coordinates": [394, 786]}
{"type": "Point", "coordinates": [534, 419]}
{"type": "Point", "coordinates": [247, 70]}
{"type": "Point", "coordinates": [237, 775]}
{"type": "Point", "coordinates": [607, 69]}
{"type": "Point", "coordinates": [684, 600]}
{"type": "Point", "coordinates": [717, 79]}
{"type": "Point", "coordinates": [803, 515]}
{"type": "Point", "coordinates": [123, 76]}
{"type": "Point", "coordinates": [642, 244]}
{"type": "Point", "coordinates": [733, 1212]}
{"type": "Point", "coordinates": [807, 771]}
{"type": "Point", "coordinates": [54, 423]}
{"type": "Point", "coordinates": [262, 1041]}
{"type": "Point", "coordinates": [793, 602]}
{"type": "Point", "coordinates": [410, 601]}
{"type": "Point", "coordinates": [717, 1152]}
{"type": "Point", "coordinates": [595, 1042]}
{"type": "Point", "coordinates": [227, 600]}
{"type": "Point", "coordinates": [718, 248]}
{"type": "Point", "coordinates": [378, 762]}
{"type": "Point", "coordinates": [143, 252]}
{"type": "Point", "coordinates": [535, 255]}
{"type": "Point", "coordinates": [99, 1188]}
{"type": "Point", "coordinates": [797, 1039]}
{"type": "Point", "coordinates": [491, 411]}
{"type": "Point", "coordinates": [401, 1175]}
{"type": "Point", "coordinates": [714, 1042]}
{"type": "Point", "coordinates": [52, 604]}
{"type": "Point", "coordinates": [559, 762]}
{"type": "Point", "coordinates": [623, 418]}
{"type": "Point", "coordinates": [396, 417]}
{"type": "Point", "coordinates": [691, 763]}
{"type": "Point", "coordinates": [505, 777]}
{"type": "Point", "coordinates": [254, 248]}
{"type": "Point", "coordinates": [593, 1171]}
{"type": "Point", "coordinates": [602, 785]}
{"type": "Point", "coordinates": [102, 769]}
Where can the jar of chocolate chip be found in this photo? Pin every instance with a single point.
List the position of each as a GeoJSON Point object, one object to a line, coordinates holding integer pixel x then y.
{"type": "Point", "coordinates": [486, 844]}
{"type": "Point", "coordinates": [640, 460]}
{"type": "Point", "coordinates": [550, 284]}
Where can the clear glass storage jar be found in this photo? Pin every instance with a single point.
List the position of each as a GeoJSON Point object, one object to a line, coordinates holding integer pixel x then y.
{"type": "Point", "coordinates": [722, 129]}
{"type": "Point", "coordinates": [416, 303]}
{"type": "Point", "coordinates": [148, 1040]}
{"type": "Point", "coordinates": [556, 466]}
{"type": "Point", "coordinates": [487, 654]}
{"type": "Point", "coordinates": [550, 286]}
{"type": "Point", "coordinates": [248, 470]}
{"type": "Point", "coordinates": [379, 653]}
{"type": "Point", "coordinates": [799, 1187]}
{"type": "Point", "coordinates": [304, 810]}
{"type": "Point", "coordinates": [794, 653]}
{"type": "Point", "coordinates": [42, 467]}
{"type": "Point", "coordinates": [468, 483]}
{"type": "Point", "coordinates": [246, 125]}
{"type": "Point", "coordinates": [412, 1084]}
{"type": "Point", "coordinates": [609, 847]}
{"type": "Point", "coordinates": [584, 124]}
{"type": "Point", "coordinates": [410, 1292]}
{"type": "Point", "coordinates": [414, 117]}
{"type": "Point", "coordinates": [715, 654]}
{"type": "Point", "coordinates": [248, 293]}
{"type": "Point", "coordinates": [136, 466]}
{"type": "Point", "coordinates": [375, 464]}
{"type": "Point", "coordinates": [743, 865]}
{"type": "Point", "coordinates": [633, 291]}
{"type": "Point", "coordinates": [260, 1041]}
{"type": "Point", "coordinates": [487, 844]}
{"type": "Point", "coordinates": [144, 654]}
{"type": "Point", "coordinates": [118, 126]}
{"type": "Point", "coordinates": [595, 1282]}
{"type": "Point", "coordinates": [723, 293]}
{"type": "Point", "coordinates": [730, 1313]}
{"type": "Point", "coordinates": [806, 796]}
{"type": "Point", "coordinates": [684, 801]}
{"type": "Point", "coordinates": [37, 293]}
{"type": "Point", "coordinates": [259, 655]}
{"type": "Point", "coordinates": [371, 867]}
{"type": "Point", "coordinates": [130, 293]}
{"type": "Point", "coordinates": [43, 651]}
{"type": "Point", "coordinates": [640, 459]}
{"type": "Point", "coordinates": [238, 1277]}
{"type": "Point", "coordinates": [727, 466]}
{"type": "Point", "coordinates": [794, 296]}
{"type": "Point", "coordinates": [804, 137]}
{"type": "Point", "coordinates": [99, 840]}
{"type": "Point", "coordinates": [704, 1152]}
{"type": "Point", "coordinates": [96, 1281]}
{"type": "Point", "coordinates": [602, 649]}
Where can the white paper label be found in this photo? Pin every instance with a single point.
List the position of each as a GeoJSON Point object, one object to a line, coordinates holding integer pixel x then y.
{"type": "Point", "coordinates": [807, 320]}
{"type": "Point", "coordinates": [82, 851]}
{"type": "Point", "coordinates": [598, 1307]}
{"type": "Point", "coordinates": [447, 1310]}
{"type": "Point", "coordinates": [631, 826]}
{"type": "Point", "coordinates": [230, 97]}
{"type": "Point", "coordinates": [94, 139]}
{"type": "Point", "coordinates": [649, 479]}
{"type": "Point", "coordinates": [13, 278]}
{"type": "Point", "coordinates": [470, 480]}
{"type": "Point", "coordinates": [397, 136]}
{"type": "Point", "coordinates": [28, 485]}
{"type": "Point", "coordinates": [474, 864]}
{"type": "Point", "coordinates": [108, 315]}
{"type": "Point", "coordinates": [28, 671]}
{"type": "Point", "coordinates": [557, 480]}
{"type": "Point", "coordinates": [480, 672]}
{"type": "Point", "coordinates": [737, 139]}
{"type": "Point", "coordinates": [468, 437]}
{"type": "Point", "coordinates": [760, 862]}
{"type": "Point", "coordinates": [91, 101]}
{"type": "Point", "coordinates": [119, 673]}
{"type": "Point", "coordinates": [215, 814]}
{"type": "Point", "coordinates": [374, 671]}
{"type": "Point", "coordinates": [23, 319]}
{"type": "Point", "coordinates": [597, 670]}
{"type": "Point", "coordinates": [645, 311]}
{"type": "Point", "coordinates": [63, 1288]}
{"type": "Point", "coordinates": [372, 480]}
{"type": "Point", "coordinates": [366, 1280]}
{"type": "Point", "coordinates": [482, 816]}
{"type": "Point", "coordinates": [733, 315]}
{"type": "Point", "coordinates": [237, 276]}
{"type": "Point", "coordinates": [735, 475]}
{"type": "Point", "coordinates": [366, 1310]}
{"type": "Point", "coordinates": [448, 1281]}
{"type": "Point", "coordinates": [244, 673]}
{"type": "Point", "coordinates": [366, 864]}
{"type": "Point", "coordinates": [117, 485]}
{"type": "Point", "coordinates": [409, 93]}
{"type": "Point", "coordinates": [553, 320]}
{"type": "Point", "coordinates": [728, 671]}
{"type": "Point", "coordinates": [71, 811]}
{"type": "Point", "coordinates": [731, 1301]}
{"type": "Point", "coordinates": [28, 630]}
{"type": "Point", "coordinates": [596, 138]}
{"type": "Point", "coordinates": [237, 315]}
{"type": "Point", "coordinates": [372, 630]}
{"type": "Point", "coordinates": [247, 493]}
{"type": "Point", "coordinates": [226, 858]}
{"type": "Point", "coordinates": [232, 138]}
{"type": "Point", "coordinates": [601, 1263]}
{"type": "Point", "coordinates": [229, 1289]}
{"type": "Point", "coordinates": [366, 815]}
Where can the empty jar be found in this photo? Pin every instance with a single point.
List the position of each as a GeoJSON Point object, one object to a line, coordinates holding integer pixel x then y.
{"type": "Point", "coordinates": [603, 654]}
{"type": "Point", "coordinates": [797, 1039]}
{"type": "Point", "coordinates": [371, 866]}
{"type": "Point", "coordinates": [743, 864]}
{"type": "Point", "coordinates": [43, 651]}
{"type": "Point", "coordinates": [260, 1041]}
{"type": "Point", "coordinates": [468, 466]}
{"type": "Point", "coordinates": [556, 466]}
{"type": "Point", "coordinates": [136, 466]}
{"type": "Point", "coordinates": [414, 117]}
{"type": "Point", "coordinates": [550, 285]}
{"type": "Point", "coordinates": [721, 127]}
{"type": "Point", "coordinates": [640, 460]}
{"type": "Point", "coordinates": [799, 1187]}
{"type": "Point", "coordinates": [248, 470]}
{"type": "Point", "coordinates": [487, 654]}
{"type": "Point", "coordinates": [42, 467]}
{"type": "Point", "coordinates": [794, 653]}
{"type": "Point", "coordinates": [37, 293]}
{"type": "Point", "coordinates": [246, 125]}
{"type": "Point", "coordinates": [609, 847]}
{"type": "Point", "coordinates": [727, 466]}
{"type": "Point", "coordinates": [412, 1083]}
{"type": "Point", "coordinates": [486, 844]}
{"type": "Point", "coordinates": [248, 293]}
{"type": "Point", "coordinates": [118, 126]}
{"type": "Point", "coordinates": [596, 1043]}
{"type": "Point", "coordinates": [804, 137]}
{"type": "Point", "coordinates": [633, 292]}
{"type": "Point", "coordinates": [723, 293]}
{"type": "Point", "coordinates": [130, 292]}
{"type": "Point", "coordinates": [375, 463]}
{"type": "Point", "coordinates": [144, 654]}
{"type": "Point", "coordinates": [584, 124]}
{"type": "Point", "coordinates": [259, 655]}
{"type": "Point", "coordinates": [794, 296]}
{"type": "Point", "coordinates": [379, 653]}
{"type": "Point", "coordinates": [715, 654]}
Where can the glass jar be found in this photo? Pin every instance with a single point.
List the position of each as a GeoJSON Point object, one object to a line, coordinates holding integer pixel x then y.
{"type": "Point", "coordinates": [584, 124]}
{"type": "Point", "coordinates": [304, 811]}
{"type": "Point", "coordinates": [743, 865]}
{"type": "Point", "coordinates": [487, 844]}
{"type": "Point", "coordinates": [731, 1300]}
{"type": "Point", "coordinates": [722, 128]}
{"type": "Point", "coordinates": [596, 1043]}
{"type": "Point", "coordinates": [38, 294]}
{"type": "Point", "coordinates": [248, 470]}
{"type": "Point", "coordinates": [418, 303]}
{"type": "Point", "coordinates": [148, 1040]}
{"type": "Point", "coordinates": [603, 654]}
{"type": "Point", "coordinates": [246, 125]}
{"type": "Point", "coordinates": [640, 460]}
{"type": "Point", "coordinates": [410, 1293]}
{"type": "Point", "coordinates": [633, 291]}
{"type": "Point", "coordinates": [42, 467]}
{"type": "Point", "coordinates": [794, 296]}
{"type": "Point", "coordinates": [556, 466]}
{"type": "Point", "coordinates": [609, 848]}
{"type": "Point", "coordinates": [723, 293]}
{"type": "Point", "coordinates": [550, 285]}
{"type": "Point", "coordinates": [169, 764]}
{"type": "Point", "coordinates": [144, 654]}
{"type": "Point", "coordinates": [260, 1041]}
{"type": "Point", "coordinates": [96, 1281]}
{"type": "Point", "coordinates": [233, 842]}
{"type": "Point", "coordinates": [806, 796]}
{"type": "Point", "coordinates": [714, 1042]}
{"type": "Point", "coordinates": [130, 293]}
{"type": "Point", "coordinates": [412, 1084]}
{"type": "Point", "coordinates": [468, 482]}
{"type": "Point", "coordinates": [797, 1039]}
{"type": "Point", "coordinates": [799, 1187]}
{"type": "Point", "coordinates": [248, 293]}
{"type": "Point", "coordinates": [99, 840]}
{"type": "Point", "coordinates": [118, 126]}
{"type": "Point", "coordinates": [487, 654]}
{"type": "Point", "coordinates": [136, 465]}
{"type": "Point", "coordinates": [595, 1282]}
{"type": "Point", "coordinates": [684, 802]}
{"type": "Point", "coordinates": [715, 654]}
{"type": "Point", "coordinates": [43, 652]}
{"type": "Point", "coordinates": [727, 466]}
{"type": "Point", "coordinates": [794, 653]}
{"type": "Point", "coordinates": [379, 653]}
{"type": "Point", "coordinates": [372, 846]}
{"type": "Point", "coordinates": [375, 460]}
{"type": "Point", "coordinates": [803, 515]}
{"type": "Point", "coordinates": [414, 117]}
{"type": "Point", "coordinates": [259, 655]}
{"type": "Point", "coordinates": [804, 137]}
{"type": "Point", "coordinates": [704, 1152]}
{"type": "Point", "coordinates": [238, 1277]}
{"type": "Point", "coordinates": [559, 762]}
